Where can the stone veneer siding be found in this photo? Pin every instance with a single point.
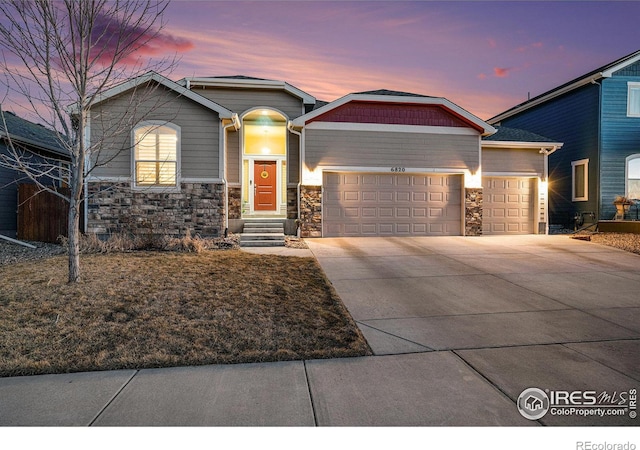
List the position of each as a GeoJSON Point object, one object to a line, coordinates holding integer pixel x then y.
{"type": "Point", "coordinates": [311, 211]}
{"type": "Point", "coordinates": [235, 202]}
{"type": "Point", "coordinates": [115, 208]}
{"type": "Point", "coordinates": [473, 211]}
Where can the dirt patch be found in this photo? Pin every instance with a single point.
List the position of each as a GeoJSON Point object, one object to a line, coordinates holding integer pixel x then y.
{"type": "Point", "coordinates": [158, 309]}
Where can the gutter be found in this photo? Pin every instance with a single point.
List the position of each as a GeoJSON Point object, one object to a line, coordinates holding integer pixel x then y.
{"type": "Point", "coordinates": [235, 123]}
{"type": "Point", "coordinates": [300, 162]}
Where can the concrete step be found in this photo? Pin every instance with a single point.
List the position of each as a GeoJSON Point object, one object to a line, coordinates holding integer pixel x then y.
{"type": "Point", "coordinates": [256, 230]}
{"type": "Point", "coordinates": [269, 243]}
{"type": "Point", "coordinates": [263, 224]}
{"type": "Point", "coordinates": [261, 236]}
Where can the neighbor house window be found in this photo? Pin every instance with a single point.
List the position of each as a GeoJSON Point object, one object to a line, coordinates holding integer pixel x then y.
{"type": "Point", "coordinates": [580, 180]}
{"type": "Point", "coordinates": [633, 99]}
{"type": "Point", "coordinates": [633, 176]}
{"type": "Point", "coordinates": [156, 155]}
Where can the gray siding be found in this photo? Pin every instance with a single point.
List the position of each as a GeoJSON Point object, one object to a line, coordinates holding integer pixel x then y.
{"type": "Point", "coordinates": [241, 100]}
{"type": "Point", "coordinates": [573, 120]}
{"type": "Point", "coordinates": [620, 138]}
{"type": "Point", "coordinates": [390, 149]}
{"type": "Point", "coordinates": [233, 156]}
{"type": "Point", "coordinates": [293, 159]}
{"type": "Point", "coordinates": [512, 160]}
{"type": "Point", "coordinates": [199, 129]}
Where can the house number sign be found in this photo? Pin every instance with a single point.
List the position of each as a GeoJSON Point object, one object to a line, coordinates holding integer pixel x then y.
{"type": "Point", "coordinates": [398, 169]}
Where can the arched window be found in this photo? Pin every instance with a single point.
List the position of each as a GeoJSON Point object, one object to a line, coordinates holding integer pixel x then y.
{"type": "Point", "coordinates": [156, 149]}
{"type": "Point", "coordinates": [633, 176]}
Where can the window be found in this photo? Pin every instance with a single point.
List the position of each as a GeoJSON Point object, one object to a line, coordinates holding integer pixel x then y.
{"type": "Point", "coordinates": [633, 177]}
{"type": "Point", "coordinates": [580, 180]}
{"type": "Point", "coordinates": [633, 99]}
{"type": "Point", "coordinates": [156, 155]}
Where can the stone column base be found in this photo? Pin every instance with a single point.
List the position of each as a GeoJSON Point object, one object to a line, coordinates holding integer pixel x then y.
{"type": "Point", "coordinates": [473, 211]}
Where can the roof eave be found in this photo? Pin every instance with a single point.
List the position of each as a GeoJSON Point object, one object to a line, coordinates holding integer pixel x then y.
{"type": "Point", "coordinates": [531, 145]}
{"type": "Point", "coordinates": [248, 84]}
{"type": "Point", "coordinates": [223, 112]}
{"type": "Point", "coordinates": [31, 143]}
{"type": "Point", "coordinates": [545, 97]}
{"type": "Point", "coordinates": [487, 129]}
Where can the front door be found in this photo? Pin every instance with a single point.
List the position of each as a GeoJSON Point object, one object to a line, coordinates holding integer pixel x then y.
{"type": "Point", "coordinates": [265, 186]}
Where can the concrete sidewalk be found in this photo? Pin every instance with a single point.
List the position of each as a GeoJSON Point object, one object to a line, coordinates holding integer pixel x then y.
{"type": "Point", "coordinates": [459, 327]}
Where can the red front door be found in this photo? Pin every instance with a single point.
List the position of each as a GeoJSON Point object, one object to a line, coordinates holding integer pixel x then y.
{"type": "Point", "coordinates": [264, 180]}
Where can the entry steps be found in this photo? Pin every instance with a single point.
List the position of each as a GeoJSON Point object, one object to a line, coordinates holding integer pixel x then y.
{"type": "Point", "coordinates": [262, 233]}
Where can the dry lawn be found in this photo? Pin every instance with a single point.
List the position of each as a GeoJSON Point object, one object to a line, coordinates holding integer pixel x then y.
{"type": "Point", "coordinates": [153, 309]}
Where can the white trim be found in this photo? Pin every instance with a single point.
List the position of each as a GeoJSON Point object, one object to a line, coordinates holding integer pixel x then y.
{"type": "Point", "coordinates": [223, 112]}
{"type": "Point", "coordinates": [202, 180]}
{"type": "Point", "coordinates": [249, 84]}
{"type": "Point", "coordinates": [519, 145]}
{"type": "Point", "coordinates": [350, 126]}
{"type": "Point", "coordinates": [611, 70]}
{"type": "Point", "coordinates": [512, 174]}
{"type": "Point", "coordinates": [574, 164]}
{"type": "Point", "coordinates": [408, 170]}
{"type": "Point", "coordinates": [439, 101]}
{"type": "Point", "coordinates": [626, 172]}
{"type": "Point", "coordinates": [632, 85]}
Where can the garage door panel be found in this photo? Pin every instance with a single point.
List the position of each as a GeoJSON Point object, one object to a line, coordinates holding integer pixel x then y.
{"type": "Point", "coordinates": [508, 206]}
{"type": "Point", "coordinates": [376, 206]}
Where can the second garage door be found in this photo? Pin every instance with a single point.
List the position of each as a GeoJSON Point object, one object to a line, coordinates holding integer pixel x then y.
{"type": "Point", "coordinates": [508, 205]}
{"type": "Point", "coordinates": [373, 204]}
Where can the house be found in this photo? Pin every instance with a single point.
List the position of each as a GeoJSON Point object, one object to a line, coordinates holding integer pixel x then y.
{"type": "Point", "coordinates": [211, 154]}
{"type": "Point", "coordinates": [597, 117]}
{"type": "Point", "coordinates": [39, 144]}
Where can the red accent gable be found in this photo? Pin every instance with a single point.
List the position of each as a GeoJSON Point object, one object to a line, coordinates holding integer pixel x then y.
{"type": "Point", "coordinates": [393, 114]}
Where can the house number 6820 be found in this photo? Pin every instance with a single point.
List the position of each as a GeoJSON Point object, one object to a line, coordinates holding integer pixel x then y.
{"type": "Point", "coordinates": [398, 169]}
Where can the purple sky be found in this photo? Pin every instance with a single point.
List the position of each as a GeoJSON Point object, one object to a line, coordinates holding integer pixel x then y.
{"type": "Point", "coordinates": [484, 56]}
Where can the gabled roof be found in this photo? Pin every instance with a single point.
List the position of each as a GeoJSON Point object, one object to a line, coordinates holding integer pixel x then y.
{"type": "Point", "coordinates": [391, 93]}
{"type": "Point", "coordinates": [515, 137]}
{"type": "Point", "coordinates": [595, 75]}
{"type": "Point", "coordinates": [181, 90]}
{"type": "Point", "coordinates": [31, 134]}
{"type": "Point", "coordinates": [242, 81]}
{"type": "Point", "coordinates": [386, 96]}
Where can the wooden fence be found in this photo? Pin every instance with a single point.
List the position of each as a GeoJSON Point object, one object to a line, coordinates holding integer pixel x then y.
{"type": "Point", "coordinates": [42, 216]}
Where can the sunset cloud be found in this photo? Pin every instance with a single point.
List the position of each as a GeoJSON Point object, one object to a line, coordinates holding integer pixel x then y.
{"type": "Point", "coordinates": [501, 72]}
{"type": "Point", "coordinates": [145, 42]}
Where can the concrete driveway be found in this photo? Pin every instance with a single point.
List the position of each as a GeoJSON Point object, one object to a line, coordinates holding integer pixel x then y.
{"type": "Point", "coordinates": [459, 328]}
{"type": "Point", "coordinates": [516, 311]}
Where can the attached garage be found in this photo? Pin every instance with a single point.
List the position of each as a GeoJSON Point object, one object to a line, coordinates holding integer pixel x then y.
{"type": "Point", "coordinates": [508, 205]}
{"type": "Point", "coordinates": [389, 204]}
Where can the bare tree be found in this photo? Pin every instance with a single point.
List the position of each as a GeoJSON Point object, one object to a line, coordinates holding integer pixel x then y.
{"type": "Point", "coordinates": [61, 57]}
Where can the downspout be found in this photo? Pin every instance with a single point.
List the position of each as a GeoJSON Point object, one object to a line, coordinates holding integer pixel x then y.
{"type": "Point", "coordinates": [599, 150]}
{"type": "Point", "coordinates": [545, 174]}
{"type": "Point", "coordinates": [223, 167]}
{"type": "Point", "coordinates": [299, 186]}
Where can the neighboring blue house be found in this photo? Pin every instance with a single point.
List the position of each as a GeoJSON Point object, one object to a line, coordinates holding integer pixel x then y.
{"type": "Point", "coordinates": [34, 140]}
{"type": "Point", "coordinates": [597, 116]}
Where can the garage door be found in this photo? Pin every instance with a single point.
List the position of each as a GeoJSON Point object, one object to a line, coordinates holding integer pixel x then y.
{"type": "Point", "coordinates": [362, 204]}
{"type": "Point", "coordinates": [508, 205]}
